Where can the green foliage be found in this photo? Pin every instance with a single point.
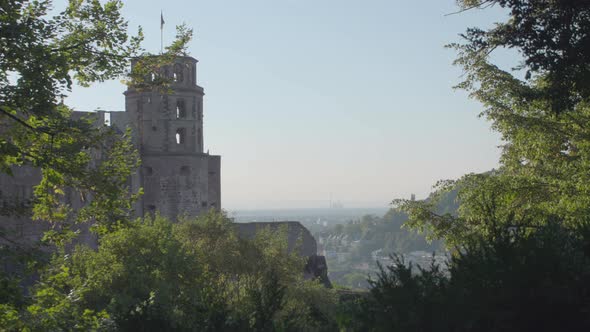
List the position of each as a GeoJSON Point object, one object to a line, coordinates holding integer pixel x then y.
{"type": "Point", "coordinates": [542, 119]}
{"type": "Point", "coordinates": [54, 306]}
{"type": "Point", "coordinates": [354, 279]}
{"type": "Point", "coordinates": [18, 266]}
{"type": "Point", "coordinates": [553, 38]}
{"type": "Point", "coordinates": [259, 279]}
{"type": "Point", "coordinates": [402, 301]}
{"type": "Point", "coordinates": [43, 51]}
{"type": "Point", "coordinates": [388, 232]}
{"type": "Point", "coordinates": [356, 241]}
{"type": "Point", "coordinates": [520, 237]}
{"type": "Point", "coordinates": [145, 275]}
{"type": "Point", "coordinates": [536, 281]}
{"type": "Point", "coordinates": [310, 306]}
{"type": "Point", "coordinates": [193, 275]}
{"type": "Point", "coordinates": [43, 54]}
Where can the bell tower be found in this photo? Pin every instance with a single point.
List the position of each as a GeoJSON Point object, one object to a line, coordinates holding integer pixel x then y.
{"type": "Point", "coordinates": [176, 175]}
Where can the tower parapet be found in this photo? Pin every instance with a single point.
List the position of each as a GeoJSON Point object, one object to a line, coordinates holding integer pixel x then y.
{"type": "Point", "coordinates": [170, 122]}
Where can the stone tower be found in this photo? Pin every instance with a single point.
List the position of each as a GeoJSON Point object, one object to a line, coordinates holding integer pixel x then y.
{"type": "Point", "coordinates": [178, 178]}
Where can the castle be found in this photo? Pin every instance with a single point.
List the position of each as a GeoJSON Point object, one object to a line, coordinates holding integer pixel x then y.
{"type": "Point", "coordinates": [177, 176]}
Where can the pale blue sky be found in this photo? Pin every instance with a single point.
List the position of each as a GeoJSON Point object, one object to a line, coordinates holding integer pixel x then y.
{"type": "Point", "coordinates": [310, 97]}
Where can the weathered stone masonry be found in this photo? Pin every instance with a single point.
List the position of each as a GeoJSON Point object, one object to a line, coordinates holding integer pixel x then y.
{"type": "Point", "coordinates": [178, 177]}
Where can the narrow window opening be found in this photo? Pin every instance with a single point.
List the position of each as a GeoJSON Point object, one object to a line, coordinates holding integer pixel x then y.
{"type": "Point", "coordinates": [149, 99]}
{"type": "Point", "coordinates": [178, 73]}
{"type": "Point", "coordinates": [180, 136]}
{"type": "Point", "coordinates": [107, 119]}
{"type": "Point", "coordinates": [204, 204]}
{"type": "Point", "coordinates": [188, 70]}
{"type": "Point", "coordinates": [180, 109]}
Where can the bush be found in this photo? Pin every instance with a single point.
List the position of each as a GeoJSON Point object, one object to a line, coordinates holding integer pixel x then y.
{"type": "Point", "coordinates": [192, 275]}
{"type": "Point", "coordinates": [522, 281]}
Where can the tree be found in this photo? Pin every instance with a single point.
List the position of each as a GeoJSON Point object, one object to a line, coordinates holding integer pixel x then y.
{"type": "Point", "coordinates": [260, 279]}
{"type": "Point", "coordinates": [140, 277]}
{"type": "Point", "coordinates": [42, 54]}
{"type": "Point", "coordinates": [514, 282]}
{"type": "Point", "coordinates": [553, 38]}
{"type": "Point", "coordinates": [156, 275]}
{"type": "Point", "coordinates": [542, 118]}
{"type": "Point", "coordinates": [520, 237]}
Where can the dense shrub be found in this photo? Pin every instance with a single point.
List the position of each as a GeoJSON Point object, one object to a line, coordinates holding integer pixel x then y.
{"type": "Point", "coordinates": [192, 275]}
{"type": "Point", "coordinates": [522, 281]}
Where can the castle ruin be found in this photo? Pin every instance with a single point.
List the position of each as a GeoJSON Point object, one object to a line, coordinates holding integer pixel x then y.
{"type": "Point", "coordinates": [177, 176]}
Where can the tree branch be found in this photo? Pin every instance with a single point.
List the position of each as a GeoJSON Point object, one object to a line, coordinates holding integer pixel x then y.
{"type": "Point", "coordinates": [17, 119]}
{"type": "Point", "coordinates": [23, 123]}
{"type": "Point", "coordinates": [67, 48]}
{"type": "Point", "coordinates": [487, 3]}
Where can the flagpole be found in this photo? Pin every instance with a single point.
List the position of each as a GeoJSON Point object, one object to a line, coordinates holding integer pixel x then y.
{"type": "Point", "coordinates": [161, 32]}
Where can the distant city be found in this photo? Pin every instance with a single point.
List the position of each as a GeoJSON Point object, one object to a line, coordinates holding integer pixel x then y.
{"type": "Point", "coordinates": [310, 216]}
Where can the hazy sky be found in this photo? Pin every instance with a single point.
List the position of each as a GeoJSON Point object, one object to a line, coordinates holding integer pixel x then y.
{"type": "Point", "coordinates": [307, 98]}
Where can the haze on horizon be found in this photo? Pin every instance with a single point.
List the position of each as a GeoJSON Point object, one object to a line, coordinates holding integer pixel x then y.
{"type": "Point", "coordinates": [307, 100]}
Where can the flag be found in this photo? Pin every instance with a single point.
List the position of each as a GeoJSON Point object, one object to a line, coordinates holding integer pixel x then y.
{"type": "Point", "coordinates": [162, 20]}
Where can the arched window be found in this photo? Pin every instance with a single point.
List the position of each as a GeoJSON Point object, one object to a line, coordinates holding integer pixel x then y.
{"type": "Point", "coordinates": [178, 76]}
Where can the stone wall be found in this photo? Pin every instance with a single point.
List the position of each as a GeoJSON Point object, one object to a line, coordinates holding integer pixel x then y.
{"type": "Point", "coordinates": [16, 193]}
{"type": "Point", "coordinates": [177, 176]}
{"type": "Point", "coordinates": [299, 239]}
